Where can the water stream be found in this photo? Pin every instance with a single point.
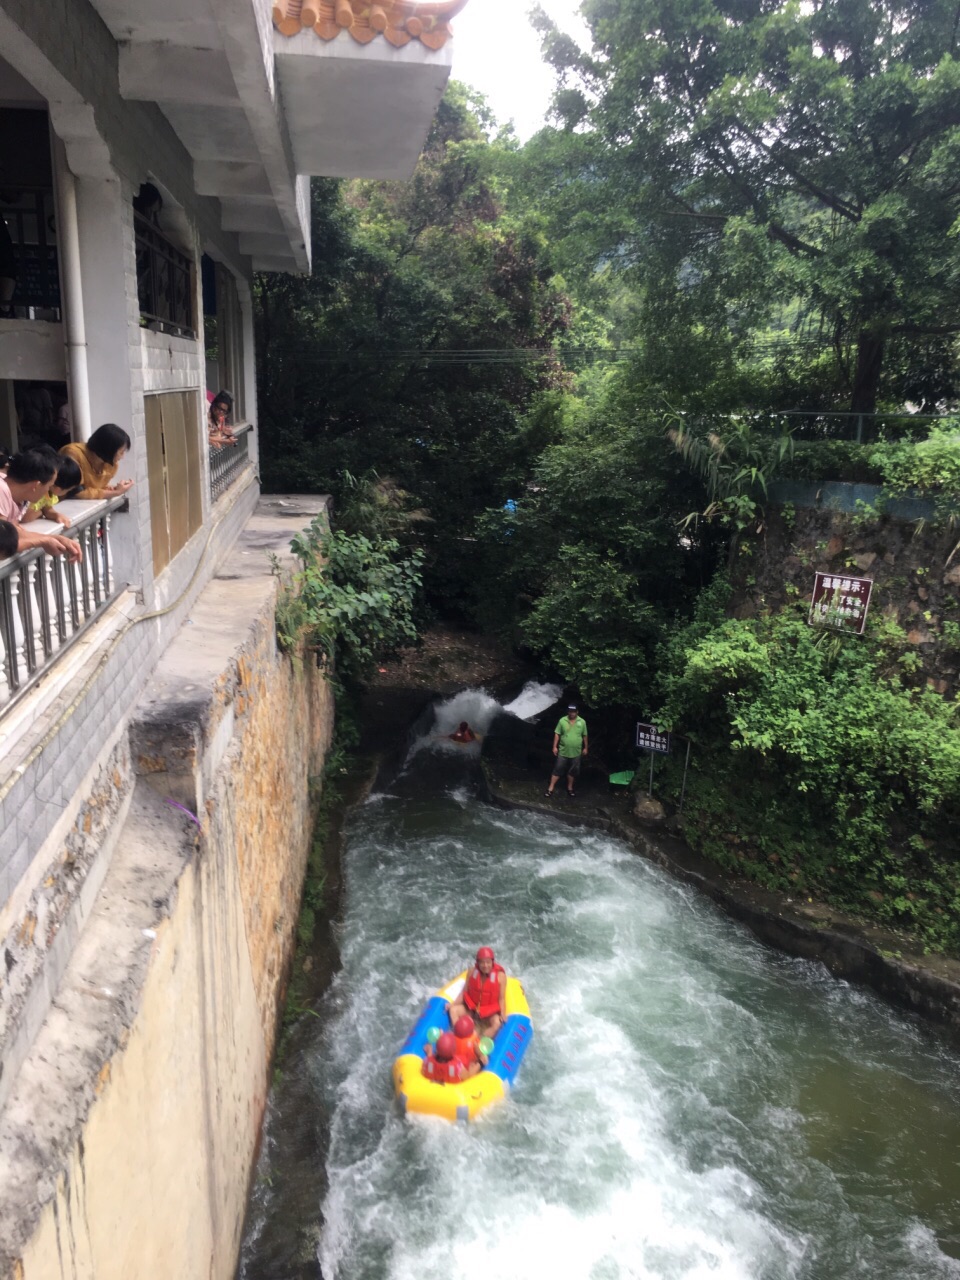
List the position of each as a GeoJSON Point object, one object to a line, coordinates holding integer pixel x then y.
{"type": "Point", "coordinates": [694, 1105]}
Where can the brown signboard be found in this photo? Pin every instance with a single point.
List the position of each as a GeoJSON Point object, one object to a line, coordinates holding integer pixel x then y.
{"type": "Point", "coordinates": [840, 602]}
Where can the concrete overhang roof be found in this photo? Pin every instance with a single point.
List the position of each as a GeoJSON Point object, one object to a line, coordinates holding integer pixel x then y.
{"type": "Point", "coordinates": [358, 110]}
{"type": "Point", "coordinates": [262, 94]}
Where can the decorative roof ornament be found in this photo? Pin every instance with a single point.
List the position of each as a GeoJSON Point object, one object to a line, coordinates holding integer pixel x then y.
{"type": "Point", "coordinates": [398, 21]}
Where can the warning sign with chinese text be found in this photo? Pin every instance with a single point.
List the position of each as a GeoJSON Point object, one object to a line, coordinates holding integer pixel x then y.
{"type": "Point", "coordinates": [840, 602]}
{"type": "Point", "coordinates": [649, 738]}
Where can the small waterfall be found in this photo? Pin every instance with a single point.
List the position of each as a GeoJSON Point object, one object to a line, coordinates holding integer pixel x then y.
{"type": "Point", "coordinates": [432, 733]}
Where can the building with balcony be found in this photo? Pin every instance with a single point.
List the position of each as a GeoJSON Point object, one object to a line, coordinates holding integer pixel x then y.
{"type": "Point", "coordinates": [155, 748]}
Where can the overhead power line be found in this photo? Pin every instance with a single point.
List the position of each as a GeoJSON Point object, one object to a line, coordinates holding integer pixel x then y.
{"type": "Point", "coordinates": [514, 355]}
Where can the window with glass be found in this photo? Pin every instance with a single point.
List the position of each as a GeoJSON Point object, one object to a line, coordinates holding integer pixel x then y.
{"type": "Point", "coordinates": [223, 334]}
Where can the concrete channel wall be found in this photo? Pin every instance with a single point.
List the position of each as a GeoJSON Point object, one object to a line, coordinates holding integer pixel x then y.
{"type": "Point", "coordinates": [129, 1134]}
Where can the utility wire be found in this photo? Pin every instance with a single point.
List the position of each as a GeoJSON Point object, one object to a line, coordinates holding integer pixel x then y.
{"type": "Point", "coordinates": [513, 355]}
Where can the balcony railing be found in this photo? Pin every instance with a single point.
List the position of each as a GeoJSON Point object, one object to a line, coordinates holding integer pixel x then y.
{"type": "Point", "coordinates": [228, 460]}
{"type": "Point", "coordinates": [164, 281]}
{"type": "Point", "coordinates": [46, 603]}
{"type": "Point", "coordinates": [29, 216]}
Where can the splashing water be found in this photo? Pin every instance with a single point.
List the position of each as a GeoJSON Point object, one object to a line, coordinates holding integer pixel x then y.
{"type": "Point", "coordinates": [693, 1107]}
{"type": "Point", "coordinates": [533, 698]}
{"type": "Point", "coordinates": [474, 706]}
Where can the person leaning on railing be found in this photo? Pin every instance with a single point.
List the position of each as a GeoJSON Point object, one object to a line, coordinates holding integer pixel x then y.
{"type": "Point", "coordinates": [98, 460]}
{"type": "Point", "coordinates": [68, 481]}
{"type": "Point", "coordinates": [219, 431]}
{"type": "Point", "coordinates": [27, 478]}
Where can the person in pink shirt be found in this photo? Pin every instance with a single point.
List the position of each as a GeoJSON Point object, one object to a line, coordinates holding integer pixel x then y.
{"type": "Point", "coordinates": [27, 478]}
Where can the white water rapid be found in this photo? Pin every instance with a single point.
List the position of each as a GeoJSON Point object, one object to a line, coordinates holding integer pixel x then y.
{"type": "Point", "coordinates": [694, 1106]}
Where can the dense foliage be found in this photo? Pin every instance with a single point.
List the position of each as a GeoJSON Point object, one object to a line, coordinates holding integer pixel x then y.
{"type": "Point", "coordinates": [773, 170]}
{"type": "Point", "coordinates": [593, 564]}
{"type": "Point", "coordinates": [558, 380]}
{"type": "Point", "coordinates": [929, 468]}
{"type": "Point", "coordinates": [819, 765]}
{"type": "Point", "coordinates": [352, 601]}
{"type": "Point", "coordinates": [419, 343]}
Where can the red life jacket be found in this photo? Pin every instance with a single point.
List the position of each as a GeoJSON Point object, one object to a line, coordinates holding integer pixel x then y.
{"type": "Point", "coordinates": [449, 1072]}
{"type": "Point", "coordinates": [467, 1049]}
{"type": "Point", "coordinates": [481, 994]}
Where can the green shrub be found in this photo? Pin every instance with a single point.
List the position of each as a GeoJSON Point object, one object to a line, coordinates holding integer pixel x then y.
{"type": "Point", "coordinates": [824, 460]}
{"type": "Point", "coordinates": [818, 765]}
{"type": "Point", "coordinates": [929, 468]}
{"type": "Point", "coordinates": [353, 600]}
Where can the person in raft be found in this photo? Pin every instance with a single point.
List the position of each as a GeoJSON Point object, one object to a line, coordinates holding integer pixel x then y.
{"type": "Point", "coordinates": [569, 746]}
{"type": "Point", "coordinates": [484, 995]}
{"type": "Point", "coordinates": [441, 1062]}
{"type": "Point", "coordinates": [463, 734]}
{"type": "Point", "coordinates": [468, 1049]}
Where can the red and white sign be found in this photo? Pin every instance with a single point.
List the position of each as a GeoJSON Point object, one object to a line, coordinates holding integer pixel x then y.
{"type": "Point", "coordinates": [840, 602]}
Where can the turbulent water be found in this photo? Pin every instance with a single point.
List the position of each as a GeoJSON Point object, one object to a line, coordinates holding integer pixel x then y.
{"type": "Point", "coordinates": [693, 1107]}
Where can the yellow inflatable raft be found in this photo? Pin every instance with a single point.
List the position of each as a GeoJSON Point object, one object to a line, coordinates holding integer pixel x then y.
{"type": "Point", "coordinates": [462, 1101]}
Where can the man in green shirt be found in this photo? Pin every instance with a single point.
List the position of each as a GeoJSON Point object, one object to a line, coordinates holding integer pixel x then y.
{"type": "Point", "coordinates": [569, 746]}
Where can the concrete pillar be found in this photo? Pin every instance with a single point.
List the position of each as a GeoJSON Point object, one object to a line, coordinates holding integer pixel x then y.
{"type": "Point", "coordinates": [111, 309]}
{"type": "Point", "coordinates": [249, 368]}
{"type": "Point", "coordinates": [71, 290]}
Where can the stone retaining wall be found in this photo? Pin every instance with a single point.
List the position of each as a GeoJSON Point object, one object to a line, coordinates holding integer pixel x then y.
{"type": "Point", "coordinates": [130, 1132]}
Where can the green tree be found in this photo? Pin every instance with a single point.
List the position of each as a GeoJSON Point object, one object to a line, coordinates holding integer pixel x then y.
{"type": "Point", "coordinates": [352, 599]}
{"type": "Point", "coordinates": [420, 342]}
{"type": "Point", "coordinates": [761, 155]}
{"type": "Point", "coordinates": [593, 565]}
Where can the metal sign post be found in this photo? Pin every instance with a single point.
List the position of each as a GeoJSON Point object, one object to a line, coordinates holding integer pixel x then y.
{"type": "Point", "coordinates": [683, 789]}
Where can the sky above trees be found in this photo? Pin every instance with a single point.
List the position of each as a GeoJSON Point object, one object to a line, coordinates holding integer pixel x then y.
{"type": "Point", "coordinates": [497, 51]}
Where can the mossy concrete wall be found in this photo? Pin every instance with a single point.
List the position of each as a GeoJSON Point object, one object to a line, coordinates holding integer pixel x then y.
{"type": "Point", "coordinates": [130, 1132]}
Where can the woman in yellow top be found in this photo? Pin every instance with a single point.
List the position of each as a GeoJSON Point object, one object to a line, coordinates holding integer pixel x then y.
{"type": "Point", "coordinates": [98, 460]}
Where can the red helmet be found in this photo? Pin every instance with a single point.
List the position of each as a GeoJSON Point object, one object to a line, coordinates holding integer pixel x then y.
{"type": "Point", "coordinates": [446, 1046]}
{"type": "Point", "coordinates": [463, 1027]}
{"type": "Point", "coordinates": [486, 953]}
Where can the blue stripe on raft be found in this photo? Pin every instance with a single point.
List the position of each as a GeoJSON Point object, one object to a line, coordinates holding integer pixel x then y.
{"type": "Point", "coordinates": [510, 1046]}
{"type": "Point", "coordinates": [434, 1015]}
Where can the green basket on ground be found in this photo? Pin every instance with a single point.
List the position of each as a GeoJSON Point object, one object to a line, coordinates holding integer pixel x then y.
{"type": "Point", "coordinates": [622, 779]}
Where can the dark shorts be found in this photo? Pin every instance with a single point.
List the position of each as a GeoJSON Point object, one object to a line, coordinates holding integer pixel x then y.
{"type": "Point", "coordinates": [566, 764]}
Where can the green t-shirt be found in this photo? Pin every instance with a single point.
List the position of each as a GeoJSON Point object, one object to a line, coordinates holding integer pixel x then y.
{"type": "Point", "coordinates": [571, 736]}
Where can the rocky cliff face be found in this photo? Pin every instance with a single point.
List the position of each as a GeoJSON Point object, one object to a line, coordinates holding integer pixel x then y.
{"type": "Point", "coordinates": [915, 570]}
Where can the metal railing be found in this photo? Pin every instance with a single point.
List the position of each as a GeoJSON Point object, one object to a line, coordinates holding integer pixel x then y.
{"type": "Point", "coordinates": [817, 424]}
{"type": "Point", "coordinates": [164, 281]}
{"type": "Point", "coordinates": [228, 460]}
{"type": "Point", "coordinates": [860, 428]}
{"type": "Point", "coordinates": [47, 603]}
